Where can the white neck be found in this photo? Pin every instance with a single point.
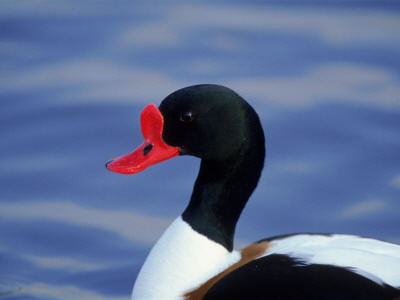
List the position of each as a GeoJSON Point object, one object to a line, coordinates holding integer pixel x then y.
{"type": "Point", "coordinates": [180, 261]}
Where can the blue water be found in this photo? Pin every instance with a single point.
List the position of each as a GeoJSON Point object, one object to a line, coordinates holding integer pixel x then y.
{"type": "Point", "coordinates": [75, 75]}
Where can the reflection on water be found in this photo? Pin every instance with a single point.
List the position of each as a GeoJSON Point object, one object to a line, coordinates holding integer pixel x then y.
{"type": "Point", "coordinates": [75, 77]}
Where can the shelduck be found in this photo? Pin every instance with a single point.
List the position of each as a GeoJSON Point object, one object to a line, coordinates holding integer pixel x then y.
{"type": "Point", "coordinates": [194, 258]}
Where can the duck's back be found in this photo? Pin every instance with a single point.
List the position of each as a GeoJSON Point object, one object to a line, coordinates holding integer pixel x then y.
{"type": "Point", "coordinates": [315, 266]}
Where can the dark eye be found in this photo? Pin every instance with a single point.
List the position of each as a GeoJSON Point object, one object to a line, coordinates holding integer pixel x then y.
{"type": "Point", "coordinates": [187, 116]}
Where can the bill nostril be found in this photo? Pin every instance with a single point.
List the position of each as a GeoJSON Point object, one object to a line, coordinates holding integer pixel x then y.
{"type": "Point", "coordinates": [147, 149]}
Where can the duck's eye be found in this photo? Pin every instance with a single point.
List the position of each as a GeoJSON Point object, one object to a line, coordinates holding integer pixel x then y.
{"type": "Point", "coordinates": [187, 116]}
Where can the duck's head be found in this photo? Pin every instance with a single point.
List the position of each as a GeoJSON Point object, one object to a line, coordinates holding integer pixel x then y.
{"type": "Point", "coordinates": [217, 125]}
{"type": "Point", "coordinates": [208, 121]}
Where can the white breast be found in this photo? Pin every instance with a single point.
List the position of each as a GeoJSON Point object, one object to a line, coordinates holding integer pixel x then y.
{"type": "Point", "coordinates": [181, 260]}
{"type": "Point", "coordinates": [377, 260]}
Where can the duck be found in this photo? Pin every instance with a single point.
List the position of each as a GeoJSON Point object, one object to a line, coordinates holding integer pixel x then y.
{"type": "Point", "coordinates": [195, 257]}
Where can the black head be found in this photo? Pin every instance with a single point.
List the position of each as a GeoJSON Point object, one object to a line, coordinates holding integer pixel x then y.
{"type": "Point", "coordinates": [211, 122]}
